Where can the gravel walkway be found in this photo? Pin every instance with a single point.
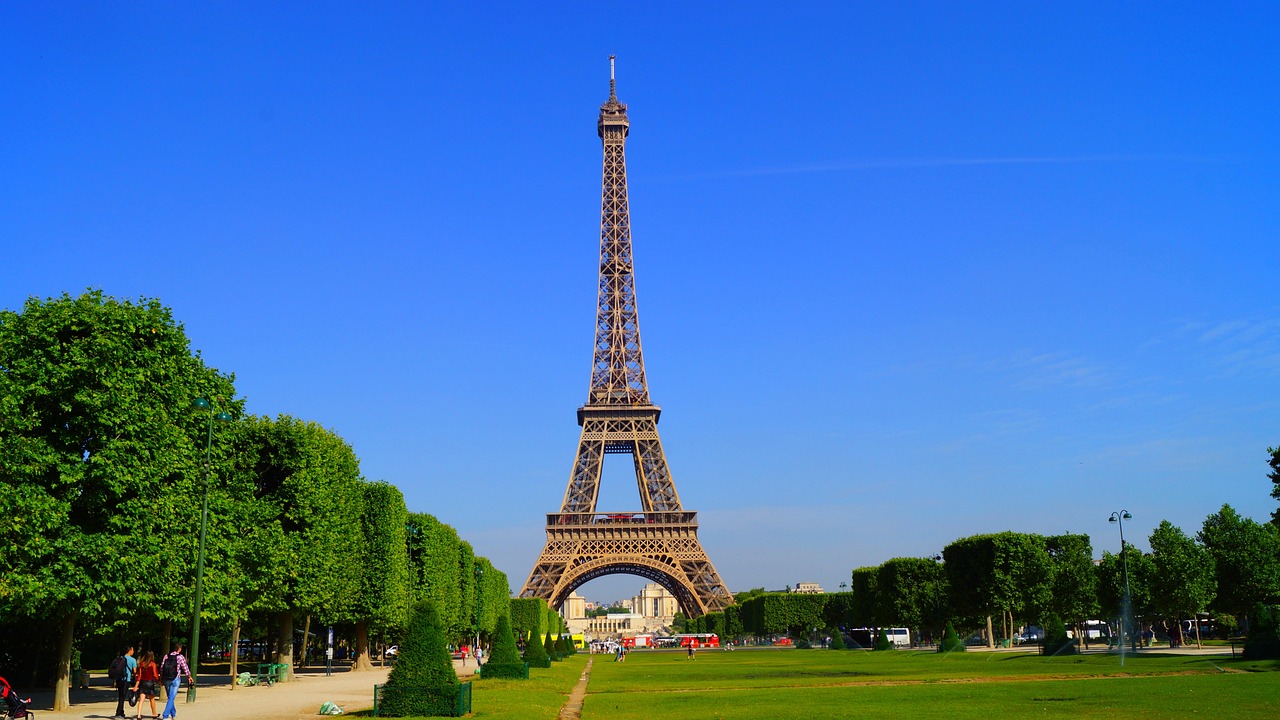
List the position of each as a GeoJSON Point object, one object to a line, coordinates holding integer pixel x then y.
{"type": "Point", "coordinates": [294, 700]}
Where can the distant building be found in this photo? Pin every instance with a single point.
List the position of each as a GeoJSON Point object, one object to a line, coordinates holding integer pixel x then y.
{"type": "Point", "coordinates": [808, 588]}
{"type": "Point", "coordinates": [654, 609]}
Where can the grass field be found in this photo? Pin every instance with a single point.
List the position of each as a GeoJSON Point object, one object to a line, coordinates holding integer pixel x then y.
{"type": "Point", "coordinates": [768, 684]}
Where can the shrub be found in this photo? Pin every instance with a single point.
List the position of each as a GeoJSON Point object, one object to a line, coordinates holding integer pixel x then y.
{"type": "Point", "coordinates": [1264, 633]}
{"type": "Point", "coordinates": [536, 654]}
{"type": "Point", "coordinates": [882, 641]}
{"type": "Point", "coordinates": [837, 639]}
{"type": "Point", "coordinates": [504, 659]}
{"type": "Point", "coordinates": [423, 682]}
{"type": "Point", "coordinates": [951, 641]}
{"type": "Point", "coordinates": [561, 646]}
{"type": "Point", "coordinates": [550, 646]}
{"type": "Point", "coordinates": [1056, 641]}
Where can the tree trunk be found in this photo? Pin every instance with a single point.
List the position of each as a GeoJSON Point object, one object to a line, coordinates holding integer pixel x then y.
{"type": "Point", "coordinates": [235, 652]}
{"type": "Point", "coordinates": [62, 690]}
{"type": "Point", "coordinates": [991, 638]}
{"type": "Point", "coordinates": [1197, 622]}
{"type": "Point", "coordinates": [306, 638]}
{"type": "Point", "coordinates": [166, 642]}
{"type": "Point", "coordinates": [284, 645]}
{"type": "Point", "coordinates": [362, 663]}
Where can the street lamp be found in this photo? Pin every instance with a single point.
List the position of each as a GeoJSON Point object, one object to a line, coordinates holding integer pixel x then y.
{"type": "Point", "coordinates": [1119, 518]}
{"type": "Point", "coordinates": [204, 405]}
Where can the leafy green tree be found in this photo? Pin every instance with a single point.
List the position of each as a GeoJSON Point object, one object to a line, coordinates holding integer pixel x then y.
{"type": "Point", "coordinates": [733, 621]}
{"type": "Point", "coordinates": [776, 613]}
{"type": "Point", "coordinates": [494, 600]}
{"type": "Point", "coordinates": [100, 459]}
{"type": "Point", "coordinates": [838, 610]}
{"type": "Point", "coordinates": [468, 621]}
{"type": "Point", "coordinates": [865, 602]}
{"type": "Point", "coordinates": [1246, 557]}
{"type": "Point", "coordinates": [504, 659]}
{"type": "Point", "coordinates": [1274, 475]}
{"type": "Point", "coordinates": [911, 592]}
{"type": "Point", "coordinates": [1007, 572]}
{"type": "Point", "coordinates": [309, 481]}
{"type": "Point", "coordinates": [436, 551]}
{"type": "Point", "coordinates": [423, 682]}
{"type": "Point", "coordinates": [383, 600]}
{"type": "Point", "coordinates": [1182, 579]}
{"type": "Point", "coordinates": [528, 616]}
{"type": "Point", "coordinates": [1110, 571]}
{"type": "Point", "coordinates": [1075, 583]}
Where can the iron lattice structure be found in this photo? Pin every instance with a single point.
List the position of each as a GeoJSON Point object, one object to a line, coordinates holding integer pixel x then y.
{"type": "Point", "coordinates": [659, 542]}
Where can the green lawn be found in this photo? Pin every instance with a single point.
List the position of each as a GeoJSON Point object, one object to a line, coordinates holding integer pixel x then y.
{"type": "Point", "coordinates": [821, 684]}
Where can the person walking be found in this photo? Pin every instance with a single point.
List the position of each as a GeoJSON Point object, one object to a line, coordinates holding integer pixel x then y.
{"type": "Point", "coordinates": [172, 668]}
{"type": "Point", "coordinates": [145, 684]}
{"type": "Point", "coordinates": [122, 671]}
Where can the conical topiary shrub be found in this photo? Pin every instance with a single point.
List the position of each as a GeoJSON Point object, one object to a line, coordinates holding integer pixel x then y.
{"type": "Point", "coordinates": [837, 640]}
{"type": "Point", "coordinates": [423, 682]}
{"type": "Point", "coordinates": [951, 641]}
{"type": "Point", "coordinates": [504, 659]}
{"type": "Point", "coordinates": [562, 647]}
{"type": "Point", "coordinates": [550, 646]}
{"type": "Point", "coordinates": [882, 641]}
{"type": "Point", "coordinates": [1056, 641]}
{"type": "Point", "coordinates": [535, 653]}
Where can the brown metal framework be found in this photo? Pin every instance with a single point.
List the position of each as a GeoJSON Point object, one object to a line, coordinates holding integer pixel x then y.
{"type": "Point", "coordinates": [659, 542]}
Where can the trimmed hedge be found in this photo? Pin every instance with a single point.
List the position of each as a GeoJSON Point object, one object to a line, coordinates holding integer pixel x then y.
{"type": "Point", "coordinates": [423, 682]}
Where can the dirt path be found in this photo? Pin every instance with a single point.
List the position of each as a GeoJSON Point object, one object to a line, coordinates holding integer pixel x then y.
{"type": "Point", "coordinates": [572, 709]}
{"type": "Point", "coordinates": [294, 700]}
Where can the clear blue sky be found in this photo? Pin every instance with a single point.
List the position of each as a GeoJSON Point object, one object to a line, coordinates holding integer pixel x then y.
{"type": "Point", "coordinates": [907, 272]}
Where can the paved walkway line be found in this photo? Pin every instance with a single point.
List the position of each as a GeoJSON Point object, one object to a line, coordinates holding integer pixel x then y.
{"type": "Point", "coordinates": [572, 709]}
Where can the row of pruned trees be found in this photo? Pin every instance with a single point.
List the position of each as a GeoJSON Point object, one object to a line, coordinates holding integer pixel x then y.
{"type": "Point", "coordinates": [102, 472]}
{"type": "Point", "coordinates": [1229, 567]}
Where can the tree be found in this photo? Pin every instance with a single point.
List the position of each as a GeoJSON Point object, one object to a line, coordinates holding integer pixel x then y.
{"type": "Point", "coordinates": [1111, 573]}
{"type": "Point", "coordinates": [1182, 581]}
{"type": "Point", "coordinates": [1246, 558]}
{"type": "Point", "coordinates": [1007, 572]}
{"type": "Point", "coordinates": [1274, 475]}
{"type": "Point", "coordinates": [535, 652]}
{"type": "Point", "coordinates": [383, 600]}
{"type": "Point", "coordinates": [911, 592]}
{"type": "Point", "coordinates": [1075, 584]}
{"type": "Point", "coordinates": [423, 682]}
{"type": "Point", "coordinates": [549, 644]}
{"type": "Point", "coordinates": [504, 659]}
{"type": "Point", "coordinates": [308, 479]}
{"type": "Point", "coordinates": [100, 457]}
{"type": "Point", "coordinates": [436, 550]}
{"type": "Point", "coordinates": [864, 603]}
{"type": "Point", "coordinates": [494, 596]}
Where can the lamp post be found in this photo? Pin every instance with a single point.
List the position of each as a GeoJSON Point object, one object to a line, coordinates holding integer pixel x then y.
{"type": "Point", "coordinates": [204, 405]}
{"type": "Point", "coordinates": [1119, 518]}
{"type": "Point", "coordinates": [479, 573]}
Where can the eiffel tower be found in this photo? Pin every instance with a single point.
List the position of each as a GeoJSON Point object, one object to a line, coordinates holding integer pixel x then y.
{"type": "Point", "coordinates": [660, 541]}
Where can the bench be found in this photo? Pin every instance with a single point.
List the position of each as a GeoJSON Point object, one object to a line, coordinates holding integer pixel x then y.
{"type": "Point", "coordinates": [270, 672]}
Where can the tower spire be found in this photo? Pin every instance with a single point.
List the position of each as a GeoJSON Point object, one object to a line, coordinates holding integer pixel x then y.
{"type": "Point", "coordinates": [660, 542]}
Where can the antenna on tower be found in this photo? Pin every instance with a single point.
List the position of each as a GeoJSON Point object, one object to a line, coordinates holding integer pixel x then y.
{"type": "Point", "coordinates": [613, 94]}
